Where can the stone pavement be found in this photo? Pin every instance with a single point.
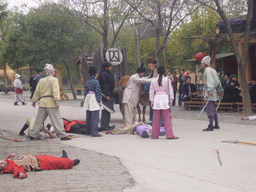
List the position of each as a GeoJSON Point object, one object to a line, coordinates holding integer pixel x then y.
{"type": "Point", "coordinates": [96, 171]}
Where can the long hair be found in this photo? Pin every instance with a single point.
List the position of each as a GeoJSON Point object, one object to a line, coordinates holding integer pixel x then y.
{"type": "Point", "coordinates": [161, 72]}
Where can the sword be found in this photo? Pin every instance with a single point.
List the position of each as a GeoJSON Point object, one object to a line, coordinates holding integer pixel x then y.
{"type": "Point", "coordinates": [203, 108]}
{"type": "Point", "coordinates": [218, 155]}
{"type": "Point", "coordinates": [218, 105]}
{"type": "Point", "coordinates": [236, 141]}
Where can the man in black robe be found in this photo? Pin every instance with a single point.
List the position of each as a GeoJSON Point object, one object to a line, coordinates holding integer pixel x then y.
{"type": "Point", "coordinates": [107, 85]}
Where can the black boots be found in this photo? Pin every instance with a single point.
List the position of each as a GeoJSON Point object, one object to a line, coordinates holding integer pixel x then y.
{"type": "Point", "coordinates": [76, 161]}
{"type": "Point", "coordinates": [209, 128]}
{"type": "Point", "coordinates": [64, 154]}
{"type": "Point", "coordinates": [65, 138]}
{"type": "Point", "coordinates": [23, 129]}
{"type": "Point", "coordinates": [216, 126]}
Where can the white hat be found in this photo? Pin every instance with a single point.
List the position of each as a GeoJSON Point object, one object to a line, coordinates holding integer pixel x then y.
{"type": "Point", "coordinates": [49, 68]}
{"type": "Point", "coordinates": [17, 76]}
{"type": "Point", "coordinates": [206, 60]}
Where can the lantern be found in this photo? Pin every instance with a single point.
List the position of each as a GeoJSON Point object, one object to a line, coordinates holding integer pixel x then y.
{"type": "Point", "coordinates": [200, 56]}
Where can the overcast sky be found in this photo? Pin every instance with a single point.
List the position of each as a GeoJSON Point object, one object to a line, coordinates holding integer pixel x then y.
{"type": "Point", "coordinates": [29, 3]}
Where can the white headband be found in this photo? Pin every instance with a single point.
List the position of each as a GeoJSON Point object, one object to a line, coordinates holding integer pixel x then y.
{"type": "Point", "coordinates": [48, 68]}
{"type": "Point", "coordinates": [206, 60]}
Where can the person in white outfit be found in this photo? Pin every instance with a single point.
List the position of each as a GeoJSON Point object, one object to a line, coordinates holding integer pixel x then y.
{"type": "Point", "coordinates": [18, 90]}
{"type": "Point", "coordinates": [249, 118]}
{"type": "Point", "coordinates": [131, 95]}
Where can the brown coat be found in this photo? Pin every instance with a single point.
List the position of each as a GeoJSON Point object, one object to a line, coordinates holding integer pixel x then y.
{"type": "Point", "coordinates": [29, 162]}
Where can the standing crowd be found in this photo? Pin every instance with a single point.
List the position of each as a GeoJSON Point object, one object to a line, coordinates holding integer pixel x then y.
{"type": "Point", "coordinates": [99, 93]}
{"type": "Point", "coordinates": [99, 96]}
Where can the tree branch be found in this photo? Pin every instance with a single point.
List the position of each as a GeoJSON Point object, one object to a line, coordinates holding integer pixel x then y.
{"type": "Point", "coordinates": [135, 8]}
{"type": "Point", "coordinates": [115, 33]}
{"type": "Point", "coordinates": [170, 30]}
{"type": "Point", "coordinates": [205, 4]}
{"type": "Point", "coordinates": [92, 26]}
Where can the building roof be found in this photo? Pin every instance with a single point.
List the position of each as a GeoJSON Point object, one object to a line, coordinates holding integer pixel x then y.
{"type": "Point", "coordinates": [218, 57]}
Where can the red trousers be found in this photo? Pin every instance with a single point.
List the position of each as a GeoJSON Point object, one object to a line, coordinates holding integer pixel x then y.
{"type": "Point", "coordinates": [157, 123]}
{"type": "Point", "coordinates": [50, 163]}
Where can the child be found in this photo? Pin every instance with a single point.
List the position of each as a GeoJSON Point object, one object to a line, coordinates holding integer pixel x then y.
{"type": "Point", "coordinates": [92, 103]}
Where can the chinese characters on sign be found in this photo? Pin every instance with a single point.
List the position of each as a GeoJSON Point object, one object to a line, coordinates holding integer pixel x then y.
{"type": "Point", "coordinates": [114, 56]}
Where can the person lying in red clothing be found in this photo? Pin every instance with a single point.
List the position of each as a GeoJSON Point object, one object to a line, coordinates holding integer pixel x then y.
{"type": "Point", "coordinates": [19, 165]}
{"type": "Point", "coordinates": [74, 126]}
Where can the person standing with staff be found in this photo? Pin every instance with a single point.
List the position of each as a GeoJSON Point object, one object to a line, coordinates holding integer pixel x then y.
{"type": "Point", "coordinates": [47, 94]}
{"type": "Point", "coordinates": [213, 91]}
{"type": "Point", "coordinates": [161, 97]}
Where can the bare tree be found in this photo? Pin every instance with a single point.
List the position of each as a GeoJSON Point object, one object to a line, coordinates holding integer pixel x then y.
{"type": "Point", "coordinates": [139, 31]}
{"type": "Point", "coordinates": [164, 16]}
{"type": "Point", "coordinates": [101, 15]}
{"type": "Point", "coordinates": [241, 58]}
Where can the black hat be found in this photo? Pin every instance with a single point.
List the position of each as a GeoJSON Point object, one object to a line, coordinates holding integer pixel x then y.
{"type": "Point", "coordinates": [48, 126]}
{"type": "Point", "coordinates": [141, 69]}
{"type": "Point", "coordinates": [92, 71]}
{"type": "Point", "coordinates": [106, 64]}
{"type": "Point", "coordinates": [232, 81]}
{"type": "Point", "coordinates": [151, 61]}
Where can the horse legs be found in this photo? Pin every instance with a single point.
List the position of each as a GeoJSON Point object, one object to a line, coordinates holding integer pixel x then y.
{"type": "Point", "coordinates": [122, 109]}
{"type": "Point", "coordinates": [139, 111]}
{"type": "Point", "coordinates": [144, 112]}
{"type": "Point", "coordinates": [121, 105]}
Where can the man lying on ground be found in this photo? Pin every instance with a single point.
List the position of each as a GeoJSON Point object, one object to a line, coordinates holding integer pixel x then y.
{"type": "Point", "coordinates": [74, 126]}
{"type": "Point", "coordinates": [70, 126]}
{"type": "Point", "coordinates": [140, 128]}
{"type": "Point", "coordinates": [249, 118]}
{"type": "Point", "coordinates": [19, 165]}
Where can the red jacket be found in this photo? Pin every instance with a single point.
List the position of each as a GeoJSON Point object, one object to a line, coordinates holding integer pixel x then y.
{"type": "Point", "coordinates": [68, 124]}
{"type": "Point", "coordinates": [14, 169]}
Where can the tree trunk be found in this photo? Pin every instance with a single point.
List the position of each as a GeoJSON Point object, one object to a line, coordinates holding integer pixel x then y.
{"type": "Point", "coordinates": [137, 51]}
{"type": "Point", "coordinates": [5, 81]}
{"type": "Point", "coordinates": [213, 55]}
{"type": "Point", "coordinates": [105, 26]}
{"type": "Point", "coordinates": [125, 63]}
{"type": "Point", "coordinates": [158, 31]}
{"type": "Point", "coordinates": [70, 82]}
{"type": "Point", "coordinates": [157, 53]}
{"type": "Point", "coordinates": [247, 106]}
{"type": "Point", "coordinates": [244, 86]}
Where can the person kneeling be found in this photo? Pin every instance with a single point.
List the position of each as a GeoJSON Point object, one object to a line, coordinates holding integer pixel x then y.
{"type": "Point", "coordinates": [45, 132]}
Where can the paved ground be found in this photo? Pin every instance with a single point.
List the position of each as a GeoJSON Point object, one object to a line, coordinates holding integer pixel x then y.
{"type": "Point", "coordinates": [187, 164]}
{"type": "Point", "coordinates": [96, 172]}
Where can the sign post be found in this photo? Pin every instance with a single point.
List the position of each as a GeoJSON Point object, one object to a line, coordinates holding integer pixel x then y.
{"type": "Point", "coordinates": [114, 56]}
